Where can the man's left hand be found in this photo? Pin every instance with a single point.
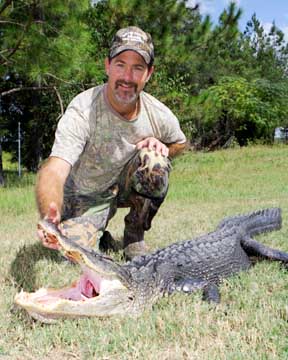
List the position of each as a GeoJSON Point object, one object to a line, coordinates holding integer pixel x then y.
{"type": "Point", "coordinates": [153, 144]}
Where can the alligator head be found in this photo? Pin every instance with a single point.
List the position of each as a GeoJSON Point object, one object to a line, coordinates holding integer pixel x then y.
{"type": "Point", "coordinates": [105, 287]}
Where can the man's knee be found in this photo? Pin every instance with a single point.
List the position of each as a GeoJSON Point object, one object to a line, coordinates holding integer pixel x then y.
{"type": "Point", "coordinates": [151, 176]}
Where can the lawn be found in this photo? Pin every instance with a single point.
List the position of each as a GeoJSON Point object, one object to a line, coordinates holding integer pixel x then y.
{"type": "Point", "coordinates": [249, 323]}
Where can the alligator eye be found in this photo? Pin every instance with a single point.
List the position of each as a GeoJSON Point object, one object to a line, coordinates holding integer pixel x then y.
{"type": "Point", "coordinates": [130, 298]}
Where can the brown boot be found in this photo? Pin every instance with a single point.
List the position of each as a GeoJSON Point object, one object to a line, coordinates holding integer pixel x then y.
{"type": "Point", "coordinates": [135, 249]}
{"type": "Point", "coordinates": [133, 241]}
{"type": "Point", "coordinates": [137, 221]}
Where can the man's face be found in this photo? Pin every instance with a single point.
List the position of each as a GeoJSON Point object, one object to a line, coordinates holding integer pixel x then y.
{"type": "Point", "coordinates": [128, 74]}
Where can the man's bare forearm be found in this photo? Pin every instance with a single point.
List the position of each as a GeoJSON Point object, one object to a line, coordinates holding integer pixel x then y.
{"type": "Point", "coordinates": [49, 186]}
{"type": "Point", "coordinates": [48, 189]}
{"type": "Point", "coordinates": [176, 149]}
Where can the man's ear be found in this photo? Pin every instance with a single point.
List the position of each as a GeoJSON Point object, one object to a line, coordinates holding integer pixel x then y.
{"type": "Point", "coordinates": [107, 66]}
{"type": "Point", "coordinates": [150, 72]}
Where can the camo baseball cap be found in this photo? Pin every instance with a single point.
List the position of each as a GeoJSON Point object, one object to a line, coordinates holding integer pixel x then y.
{"type": "Point", "coordinates": [133, 38]}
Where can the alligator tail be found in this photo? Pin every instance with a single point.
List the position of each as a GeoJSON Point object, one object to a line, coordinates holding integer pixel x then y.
{"type": "Point", "coordinates": [254, 223]}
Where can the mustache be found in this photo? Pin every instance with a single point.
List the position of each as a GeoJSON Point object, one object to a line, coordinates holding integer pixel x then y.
{"type": "Point", "coordinates": [127, 83]}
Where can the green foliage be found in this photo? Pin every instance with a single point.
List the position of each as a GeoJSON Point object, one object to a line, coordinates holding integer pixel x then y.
{"type": "Point", "coordinates": [48, 66]}
{"type": "Point", "coordinates": [176, 94]}
{"type": "Point", "coordinates": [216, 53]}
{"type": "Point", "coordinates": [246, 110]}
{"type": "Point", "coordinates": [268, 51]}
{"type": "Point", "coordinates": [50, 39]}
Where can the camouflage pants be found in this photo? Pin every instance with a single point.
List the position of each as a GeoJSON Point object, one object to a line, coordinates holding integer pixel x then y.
{"type": "Point", "coordinates": [142, 186]}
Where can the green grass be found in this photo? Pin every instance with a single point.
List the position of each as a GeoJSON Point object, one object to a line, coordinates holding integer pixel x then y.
{"type": "Point", "coordinates": [250, 322]}
{"type": "Point", "coordinates": [17, 196]}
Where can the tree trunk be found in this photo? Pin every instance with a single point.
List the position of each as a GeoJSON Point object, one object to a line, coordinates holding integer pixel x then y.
{"type": "Point", "coordinates": [2, 180]}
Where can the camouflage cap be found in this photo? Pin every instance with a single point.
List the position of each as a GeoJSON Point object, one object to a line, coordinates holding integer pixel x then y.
{"type": "Point", "coordinates": [133, 38]}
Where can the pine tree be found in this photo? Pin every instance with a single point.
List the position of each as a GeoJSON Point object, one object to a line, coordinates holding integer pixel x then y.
{"type": "Point", "coordinates": [46, 46]}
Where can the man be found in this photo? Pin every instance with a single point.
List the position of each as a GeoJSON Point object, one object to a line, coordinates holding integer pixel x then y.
{"type": "Point", "coordinates": [111, 150]}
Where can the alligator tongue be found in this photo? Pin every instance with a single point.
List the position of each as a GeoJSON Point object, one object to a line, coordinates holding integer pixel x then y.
{"type": "Point", "coordinates": [87, 286]}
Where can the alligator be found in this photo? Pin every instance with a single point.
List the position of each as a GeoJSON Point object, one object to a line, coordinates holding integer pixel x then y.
{"type": "Point", "coordinates": [108, 288]}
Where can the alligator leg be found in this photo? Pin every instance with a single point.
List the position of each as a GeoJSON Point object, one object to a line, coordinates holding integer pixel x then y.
{"type": "Point", "coordinates": [254, 248]}
{"type": "Point", "coordinates": [211, 293]}
{"type": "Point", "coordinates": [189, 286]}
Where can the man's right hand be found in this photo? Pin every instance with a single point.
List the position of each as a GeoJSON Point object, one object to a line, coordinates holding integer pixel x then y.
{"type": "Point", "coordinates": [49, 192]}
{"type": "Point", "coordinates": [53, 215]}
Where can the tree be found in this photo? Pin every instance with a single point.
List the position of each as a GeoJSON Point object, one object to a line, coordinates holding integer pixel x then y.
{"type": "Point", "coordinates": [269, 51]}
{"type": "Point", "coordinates": [242, 86]}
{"type": "Point", "coordinates": [210, 51]}
{"type": "Point", "coordinates": [47, 47]}
{"type": "Point", "coordinates": [45, 40]}
{"type": "Point", "coordinates": [245, 110]}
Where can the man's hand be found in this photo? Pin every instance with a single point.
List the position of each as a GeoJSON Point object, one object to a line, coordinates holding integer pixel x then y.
{"type": "Point", "coordinates": [153, 144]}
{"type": "Point", "coordinates": [53, 216]}
{"type": "Point", "coordinates": [49, 193]}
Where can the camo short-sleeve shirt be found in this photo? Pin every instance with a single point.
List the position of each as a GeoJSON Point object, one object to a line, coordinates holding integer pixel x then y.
{"type": "Point", "coordinates": [98, 142]}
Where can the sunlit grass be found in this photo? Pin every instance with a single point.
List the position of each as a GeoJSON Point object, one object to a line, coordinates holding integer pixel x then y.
{"type": "Point", "coordinates": [17, 196]}
{"type": "Point", "coordinates": [250, 322]}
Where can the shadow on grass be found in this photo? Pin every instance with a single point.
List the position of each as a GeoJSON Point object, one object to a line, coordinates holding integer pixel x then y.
{"type": "Point", "coordinates": [22, 268]}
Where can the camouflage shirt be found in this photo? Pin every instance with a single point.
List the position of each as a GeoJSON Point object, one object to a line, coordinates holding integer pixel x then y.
{"type": "Point", "coordinates": [98, 142]}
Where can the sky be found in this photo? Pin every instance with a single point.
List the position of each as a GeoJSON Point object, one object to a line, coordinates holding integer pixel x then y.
{"type": "Point", "coordinates": [266, 11]}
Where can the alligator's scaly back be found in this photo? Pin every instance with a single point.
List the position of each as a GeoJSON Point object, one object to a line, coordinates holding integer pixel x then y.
{"type": "Point", "coordinates": [186, 266]}
{"type": "Point", "coordinates": [212, 256]}
{"type": "Point", "coordinates": [204, 261]}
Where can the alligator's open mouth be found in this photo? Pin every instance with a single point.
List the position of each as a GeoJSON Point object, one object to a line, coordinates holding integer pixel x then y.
{"type": "Point", "coordinates": [100, 291]}
{"type": "Point", "coordinates": [91, 295]}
